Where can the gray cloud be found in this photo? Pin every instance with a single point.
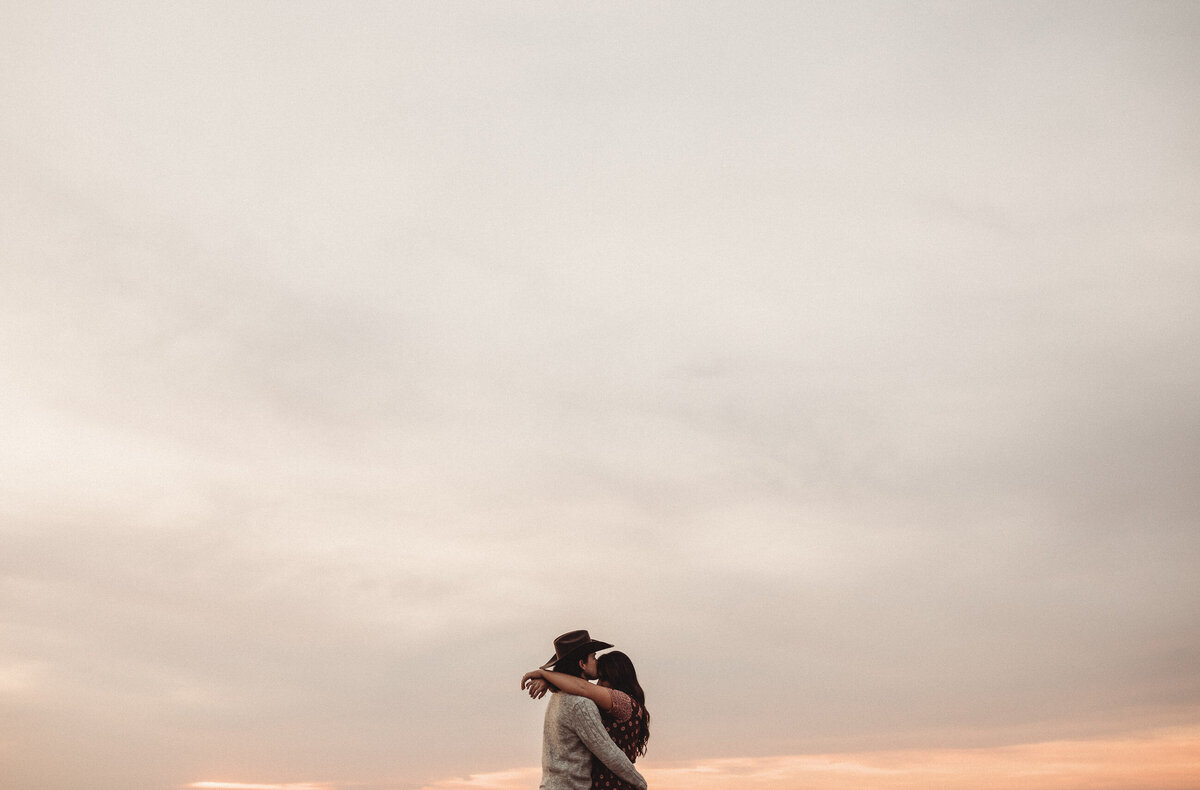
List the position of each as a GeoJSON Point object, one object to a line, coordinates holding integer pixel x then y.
{"type": "Point", "coordinates": [835, 363]}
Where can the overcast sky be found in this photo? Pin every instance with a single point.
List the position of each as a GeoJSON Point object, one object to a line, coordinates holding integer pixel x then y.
{"type": "Point", "coordinates": [838, 362]}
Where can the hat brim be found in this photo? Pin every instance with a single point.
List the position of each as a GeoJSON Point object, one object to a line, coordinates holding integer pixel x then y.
{"type": "Point", "coordinates": [579, 652]}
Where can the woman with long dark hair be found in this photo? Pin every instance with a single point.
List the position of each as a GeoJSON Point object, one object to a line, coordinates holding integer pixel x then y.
{"type": "Point", "coordinates": [622, 705]}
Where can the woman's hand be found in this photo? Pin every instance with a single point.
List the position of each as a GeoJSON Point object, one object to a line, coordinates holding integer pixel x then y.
{"type": "Point", "coordinates": [535, 683]}
{"type": "Point", "coordinates": [538, 688]}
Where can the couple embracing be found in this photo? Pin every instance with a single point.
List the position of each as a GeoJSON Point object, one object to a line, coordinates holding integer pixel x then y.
{"type": "Point", "coordinates": [593, 732]}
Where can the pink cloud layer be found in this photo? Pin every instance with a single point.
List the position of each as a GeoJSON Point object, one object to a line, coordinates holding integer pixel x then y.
{"type": "Point", "coordinates": [1159, 760]}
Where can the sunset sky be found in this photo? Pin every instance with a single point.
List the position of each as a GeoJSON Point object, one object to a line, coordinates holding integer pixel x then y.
{"type": "Point", "coordinates": [839, 362]}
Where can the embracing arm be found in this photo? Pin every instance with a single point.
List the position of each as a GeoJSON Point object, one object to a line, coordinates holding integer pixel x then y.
{"type": "Point", "coordinates": [590, 730]}
{"type": "Point", "coordinates": [572, 685]}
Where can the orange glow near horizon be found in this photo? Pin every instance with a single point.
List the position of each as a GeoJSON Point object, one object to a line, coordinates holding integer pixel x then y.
{"type": "Point", "coordinates": [1159, 760]}
{"type": "Point", "coordinates": [243, 785]}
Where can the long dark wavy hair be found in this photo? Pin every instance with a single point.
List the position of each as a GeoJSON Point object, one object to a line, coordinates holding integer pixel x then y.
{"type": "Point", "coordinates": [617, 670]}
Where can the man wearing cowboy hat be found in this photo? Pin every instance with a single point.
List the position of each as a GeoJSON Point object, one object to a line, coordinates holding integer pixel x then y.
{"type": "Point", "coordinates": [573, 732]}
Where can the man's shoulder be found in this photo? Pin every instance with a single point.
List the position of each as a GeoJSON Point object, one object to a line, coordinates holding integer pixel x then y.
{"type": "Point", "coordinates": [575, 704]}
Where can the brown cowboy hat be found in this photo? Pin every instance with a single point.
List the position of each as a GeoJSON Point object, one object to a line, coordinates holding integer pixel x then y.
{"type": "Point", "coordinates": [574, 644]}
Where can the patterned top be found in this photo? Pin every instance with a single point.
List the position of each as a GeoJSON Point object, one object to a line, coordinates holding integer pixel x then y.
{"type": "Point", "coordinates": [623, 723]}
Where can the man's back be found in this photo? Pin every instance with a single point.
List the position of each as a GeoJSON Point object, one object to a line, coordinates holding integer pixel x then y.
{"type": "Point", "coordinates": [571, 734]}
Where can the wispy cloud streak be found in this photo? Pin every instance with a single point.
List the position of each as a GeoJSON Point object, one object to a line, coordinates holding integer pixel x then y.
{"type": "Point", "coordinates": [253, 786]}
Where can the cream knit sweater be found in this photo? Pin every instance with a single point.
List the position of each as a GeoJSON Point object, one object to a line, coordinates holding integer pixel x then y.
{"type": "Point", "coordinates": [571, 734]}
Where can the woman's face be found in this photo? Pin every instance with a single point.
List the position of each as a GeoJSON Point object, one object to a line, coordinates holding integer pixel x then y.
{"type": "Point", "coordinates": [601, 681]}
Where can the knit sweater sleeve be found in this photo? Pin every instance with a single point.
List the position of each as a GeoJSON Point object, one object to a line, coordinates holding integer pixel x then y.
{"type": "Point", "coordinates": [585, 720]}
